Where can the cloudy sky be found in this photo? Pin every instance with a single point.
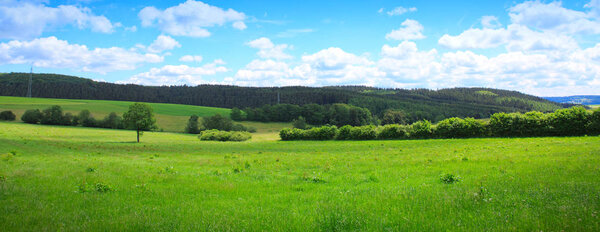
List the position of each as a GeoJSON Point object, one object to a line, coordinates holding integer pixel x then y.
{"type": "Point", "coordinates": [544, 48]}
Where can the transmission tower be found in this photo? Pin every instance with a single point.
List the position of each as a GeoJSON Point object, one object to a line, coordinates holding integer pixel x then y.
{"type": "Point", "coordinates": [30, 80]}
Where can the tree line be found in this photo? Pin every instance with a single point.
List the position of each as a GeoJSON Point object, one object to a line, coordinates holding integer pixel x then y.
{"type": "Point", "coordinates": [418, 104]}
{"type": "Point", "coordinates": [314, 114]}
{"type": "Point", "coordinates": [575, 121]}
{"type": "Point", "coordinates": [139, 117]}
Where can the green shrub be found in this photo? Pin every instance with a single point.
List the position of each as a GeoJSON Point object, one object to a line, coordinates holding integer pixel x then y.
{"type": "Point", "coordinates": [53, 116]}
{"type": "Point", "coordinates": [393, 131]}
{"type": "Point", "coordinates": [420, 130]}
{"type": "Point", "coordinates": [320, 133]}
{"type": "Point", "coordinates": [299, 123]}
{"type": "Point", "coordinates": [449, 178]}
{"type": "Point", "coordinates": [569, 122]}
{"type": "Point", "coordinates": [7, 115]}
{"type": "Point", "coordinates": [112, 121]}
{"type": "Point", "coordinates": [363, 133]}
{"type": "Point", "coordinates": [344, 133]}
{"type": "Point", "coordinates": [217, 122]}
{"type": "Point", "coordinates": [192, 125]}
{"type": "Point", "coordinates": [217, 135]}
{"type": "Point", "coordinates": [459, 128]}
{"type": "Point", "coordinates": [32, 116]}
{"type": "Point", "coordinates": [594, 125]}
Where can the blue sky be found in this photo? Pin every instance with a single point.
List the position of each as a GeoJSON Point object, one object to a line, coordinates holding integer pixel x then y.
{"type": "Point", "coordinates": [544, 48]}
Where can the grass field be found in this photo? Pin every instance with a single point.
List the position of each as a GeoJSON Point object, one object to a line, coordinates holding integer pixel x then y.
{"type": "Point", "coordinates": [594, 106]}
{"type": "Point", "coordinates": [170, 117]}
{"type": "Point", "coordinates": [174, 182]}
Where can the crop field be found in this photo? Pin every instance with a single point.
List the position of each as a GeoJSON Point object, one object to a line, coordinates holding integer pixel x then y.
{"type": "Point", "coordinates": [89, 179]}
{"type": "Point", "coordinates": [169, 117]}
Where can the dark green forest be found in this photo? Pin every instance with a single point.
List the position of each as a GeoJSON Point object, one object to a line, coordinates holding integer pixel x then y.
{"type": "Point", "coordinates": [433, 105]}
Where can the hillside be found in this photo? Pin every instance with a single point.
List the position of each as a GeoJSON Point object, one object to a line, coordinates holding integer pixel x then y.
{"type": "Point", "coordinates": [578, 99]}
{"type": "Point", "coordinates": [427, 104]}
{"type": "Point", "coordinates": [169, 117]}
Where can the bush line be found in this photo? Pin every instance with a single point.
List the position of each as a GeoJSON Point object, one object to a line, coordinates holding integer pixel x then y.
{"type": "Point", "coordinates": [575, 121]}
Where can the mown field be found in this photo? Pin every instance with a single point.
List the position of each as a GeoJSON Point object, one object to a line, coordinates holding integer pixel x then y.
{"type": "Point", "coordinates": [169, 117]}
{"type": "Point", "coordinates": [89, 179]}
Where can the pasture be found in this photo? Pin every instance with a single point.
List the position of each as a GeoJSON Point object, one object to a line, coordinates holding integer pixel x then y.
{"type": "Point", "coordinates": [169, 117]}
{"type": "Point", "coordinates": [89, 179]}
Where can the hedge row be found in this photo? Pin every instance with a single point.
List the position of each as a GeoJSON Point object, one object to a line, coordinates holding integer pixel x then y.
{"type": "Point", "coordinates": [217, 135]}
{"type": "Point", "coordinates": [54, 116]}
{"type": "Point", "coordinates": [574, 121]}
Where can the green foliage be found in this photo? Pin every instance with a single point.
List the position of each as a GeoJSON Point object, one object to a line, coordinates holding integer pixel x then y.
{"type": "Point", "coordinates": [449, 178]}
{"type": "Point", "coordinates": [299, 123]}
{"type": "Point", "coordinates": [53, 116]}
{"type": "Point", "coordinates": [217, 135]}
{"type": "Point", "coordinates": [140, 118]}
{"type": "Point", "coordinates": [236, 114]}
{"type": "Point", "coordinates": [7, 115]}
{"type": "Point", "coordinates": [98, 187]}
{"type": "Point", "coordinates": [393, 131]}
{"type": "Point", "coordinates": [217, 122]}
{"type": "Point", "coordinates": [568, 122]}
{"type": "Point", "coordinates": [192, 125]}
{"type": "Point", "coordinates": [84, 118]}
{"type": "Point", "coordinates": [459, 128]}
{"type": "Point", "coordinates": [32, 116]}
{"type": "Point", "coordinates": [421, 130]}
{"type": "Point", "coordinates": [112, 121]}
{"type": "Point", "coordinates": [335, 114]}
{"type": "Point", "coordinates": [394, 117]}
{"type": "Point", "coordinates": [565, 122]}
{"type": "Point", "coordinates": [315, 133]}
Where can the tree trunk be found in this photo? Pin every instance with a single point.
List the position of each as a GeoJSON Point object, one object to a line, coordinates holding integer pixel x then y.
{"type": "Point", "coordinates": [138, 135]}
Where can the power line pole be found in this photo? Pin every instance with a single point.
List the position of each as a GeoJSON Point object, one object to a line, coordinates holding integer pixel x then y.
{"type": "Point", "coordinates": [30, 80]}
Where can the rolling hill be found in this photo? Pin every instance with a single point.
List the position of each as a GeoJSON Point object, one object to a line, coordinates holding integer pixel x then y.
{"type": "Point", "coordinates": [433, 105]}
{"type": "Point", "coordinates": [169, 117]}
{"type": "Point", "coordinates": [578, 99]}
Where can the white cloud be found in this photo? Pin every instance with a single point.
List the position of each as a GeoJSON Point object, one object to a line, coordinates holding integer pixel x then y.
{"type": "Point", "coordinates": [191, 18]}
{"type": "Point", "coordinates": [190, 58]}
{"type": "Point", "coordinates": [594, 6]}
{"type": "Point", "coordinates": [162, 43]}
{"type": "Point", "coordinates": [239, 25]}
{"type": "Point", "coordinates": [410, 30]}
{"type": "Point", "coordinates": [489, 21]}
{"type": "Point", "coordinates": [177, 75]}
{"type": "Point", "coordinates": [334, 58]}
{"type": "Point", "coordinates": [399, 11]}
{"type": "Point", "coordinates": [514, 38]}
{"type": "Point", "coordinates": [554, 17]}
{"type": "Point", "coordinates": [51, 52]}
{"type": "Point", "coordinates": [24, 20]}
{"type": "Point", "coordinates": [268, 50]}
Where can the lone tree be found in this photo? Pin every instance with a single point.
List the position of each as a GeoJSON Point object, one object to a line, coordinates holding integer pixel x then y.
{"type": "Point", "coordinates": [192, 126]}
{"type": "Point", "coordinates": [139, 117]}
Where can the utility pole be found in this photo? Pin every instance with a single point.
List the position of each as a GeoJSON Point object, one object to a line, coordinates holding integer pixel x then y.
{"type": "Point", "coordinates": [30, 80]}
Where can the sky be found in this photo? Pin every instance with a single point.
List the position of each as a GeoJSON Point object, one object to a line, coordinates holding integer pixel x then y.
{"type": "Point", "coordinates": [545, 48]}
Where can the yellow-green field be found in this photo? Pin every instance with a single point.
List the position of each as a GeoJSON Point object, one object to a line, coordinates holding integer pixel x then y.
{"type": "Point", "coordinates": [169, 117]}
{"type": "Point", "coordinates": [55, 178]}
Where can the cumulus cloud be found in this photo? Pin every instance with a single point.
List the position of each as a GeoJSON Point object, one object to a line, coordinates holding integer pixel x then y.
{"type": "Point", "coordinates": [514, 38]}
{"type": "Point", "coordinates": [51, 52]}
{"type": "Point", "coordinates": [190, 58]}
{"type": "Point", "coordinates": [191, 18]}
{"type": "Point", "coordinates": [178, 74]}
{"type": "Point", "coordinates": [25, 20]}
{"type": "Point", "coordinates": [269, 50]}
{"type": "Point", "coordinates": [162, 43]}
{"type": "Point", "coordinates": [399, 10]}
{"type": "Point", "coordinates": [410, 30]}
{"type": "Point", "coordinates": [552, 16]}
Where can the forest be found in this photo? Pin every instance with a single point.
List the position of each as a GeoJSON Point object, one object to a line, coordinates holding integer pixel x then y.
{"type": "Point", "coordinates": [433, 105]}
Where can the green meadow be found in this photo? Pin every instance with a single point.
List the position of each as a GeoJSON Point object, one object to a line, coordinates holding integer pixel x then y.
{"type": "Point", "coordinates": [169, 117]}
{"type": "Point", "coordinates": [55, 178]}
